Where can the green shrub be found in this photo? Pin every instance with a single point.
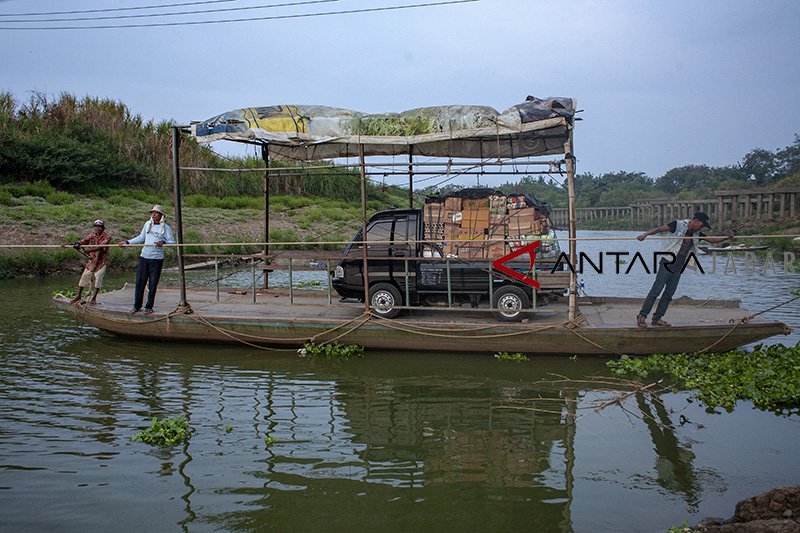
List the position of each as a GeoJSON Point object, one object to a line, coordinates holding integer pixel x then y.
{"type": "Point", "coordinates": [165, 432]}
{"type": "Point", "coordinates": [282, 235]}
{"type": "Point", "coordinates": [6, 198]}
{"type": "Point", "coordinates": [38, 188]}
{"type": "Point", "coordinates": [60, 198]}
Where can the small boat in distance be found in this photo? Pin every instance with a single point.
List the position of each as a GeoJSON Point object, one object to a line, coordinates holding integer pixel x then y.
{"type": "Point", "coordinates": [733, 248]}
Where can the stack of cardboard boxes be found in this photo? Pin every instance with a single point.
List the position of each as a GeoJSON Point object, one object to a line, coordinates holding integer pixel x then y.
{"type": "Point", "coordinates": [482, 228]}
{"type": "Point", "coordinates": [525, 224]}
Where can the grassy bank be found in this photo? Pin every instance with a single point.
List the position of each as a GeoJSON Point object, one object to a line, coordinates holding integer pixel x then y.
{"type": "Point", "coordinates": [38, 214]}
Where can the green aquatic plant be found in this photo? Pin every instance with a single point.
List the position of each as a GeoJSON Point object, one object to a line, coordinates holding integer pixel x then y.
{"type": "Point", "coordinates": [164, 432]}
{"type": "Point", "coordinates": [769, 376]}
{"type": "Point", "coordinates": [516, 357]}
{"type": "Point", "coordinates": [683, 528]}
{"type": "Point", "coordinates": [69, 294]}
{"type": "Point", "coordinates": [228, 428]}
{"type": "Point", "coordinates": [331, 351]}
{"type": "Point", "coordinates": [268, 440]}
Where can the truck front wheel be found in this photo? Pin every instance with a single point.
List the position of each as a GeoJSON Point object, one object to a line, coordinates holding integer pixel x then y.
{"type": "Point", "coordinates": [508, 303]}
{"type": "Point", "coordinates": [384, 299]}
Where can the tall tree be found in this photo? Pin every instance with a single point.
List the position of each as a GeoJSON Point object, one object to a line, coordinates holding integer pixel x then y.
{"type": "Point", "coordinates": [761, 165]}
{"type": "Point", "coordinates": [788, 159]}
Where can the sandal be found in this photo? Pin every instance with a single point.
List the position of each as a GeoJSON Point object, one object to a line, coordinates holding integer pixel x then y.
{"type": "Point", "coordinates": [641, 321]}
{"type": "Point", "coordinates": [661, 323]}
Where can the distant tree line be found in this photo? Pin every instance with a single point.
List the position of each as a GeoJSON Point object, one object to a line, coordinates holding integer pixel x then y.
{"type": "Point", "coordinates": [91, 144]}
{"type": "Point", "coordinates": [759, 168]}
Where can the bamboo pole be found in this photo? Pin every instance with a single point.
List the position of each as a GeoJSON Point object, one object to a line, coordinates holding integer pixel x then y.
{"type": "Point", "coordinates": [410, 177]}
{"type": "Point", "coordinates": [265, 157]}
{"type": "Point", "coordinates": [176, 190]}
{"type": "Point", "coordinates": [365, 262]}
{"type": "Point", "coordinates": [573, 281]}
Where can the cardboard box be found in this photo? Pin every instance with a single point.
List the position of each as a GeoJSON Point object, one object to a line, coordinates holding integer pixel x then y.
{"type": "Point", "coordinates": [433, 213]}
{"type": "Point", "coordinates": [469, 234]}
{"type": "Point", "coordinates": [496, 250]}
{"type": "Point", "coordinates": [452, 203]}
{"type": "Point", "coordinates": [497, 219]}
{"type": "Point", "coordinates": [540, 227]}
{"type": "Point", "coordinates": [450, 232]}
{"type": "Point", "coordinates": [520, 221]}
{"type": "Point", "coordinates": [475, 218]}
{"type": "Point", "coordinates": [471, 250]}
{"type": "Point", "coordinates": [475, 204]}
{"type": "Point", "coordinates": [497, 233]}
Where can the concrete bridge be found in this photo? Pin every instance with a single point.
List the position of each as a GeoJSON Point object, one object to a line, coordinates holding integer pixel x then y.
{"type": "Point", "coordinates": [726, 207]}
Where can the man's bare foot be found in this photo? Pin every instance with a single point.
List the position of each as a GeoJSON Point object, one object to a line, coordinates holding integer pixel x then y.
{"type": "Point", "coordinates": [75, 300]}
{"type": "Point", "coordinates": [93, 302]}
{"type": "Point", "coordinates": [641, 321]}
{"type": "Point", "coordinates": [661, 323]}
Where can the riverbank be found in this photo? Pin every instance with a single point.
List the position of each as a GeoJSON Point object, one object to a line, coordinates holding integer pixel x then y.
{"type": "Point", "coordinates": [42, 221]}
{"type": "Point", "coordinates": [38, 215]}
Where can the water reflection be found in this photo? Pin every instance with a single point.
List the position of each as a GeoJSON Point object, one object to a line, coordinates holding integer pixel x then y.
{"type": "Point", "coordinates": [394, 441]}
{"type": "Point", "coordinates": [674, 462]}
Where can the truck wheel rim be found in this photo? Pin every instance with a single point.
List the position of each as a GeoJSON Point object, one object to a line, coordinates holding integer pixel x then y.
{"type": "Point", "coordinates": [509, 305]}
{"type": "Point", "coordinates": [383, 301]}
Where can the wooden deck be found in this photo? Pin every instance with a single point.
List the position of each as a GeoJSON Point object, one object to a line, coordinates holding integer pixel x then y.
{"type": "Point", "coordinates": [608, 324]}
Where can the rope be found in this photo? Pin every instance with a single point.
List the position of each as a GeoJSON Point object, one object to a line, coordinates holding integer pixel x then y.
{"type": "Point", "coordinates": [232, 336]}
{"type": "Point", "coordinates": [317, 243]}
{"type": "Point", "coordinates": [773, 307]}
{"type": "Point", "coordinates": [388, 324]}
{"type": "Point", "coordinates": [235, 335]}
{"type": "Point", "coordinates": [722, 338]}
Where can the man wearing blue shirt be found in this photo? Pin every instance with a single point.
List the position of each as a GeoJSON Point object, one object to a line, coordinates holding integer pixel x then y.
{"type": "Point", "coordinates": [155, 234]}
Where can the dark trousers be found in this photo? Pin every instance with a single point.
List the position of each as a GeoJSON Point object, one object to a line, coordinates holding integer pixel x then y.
{"type": "Point", "coordinates": [147, 272]}
{"type": "Point", "coordinates": [669, 274]}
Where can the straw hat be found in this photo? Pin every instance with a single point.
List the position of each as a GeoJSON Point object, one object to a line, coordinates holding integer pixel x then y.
{"type": "Point", "coordinates": [158, 209]}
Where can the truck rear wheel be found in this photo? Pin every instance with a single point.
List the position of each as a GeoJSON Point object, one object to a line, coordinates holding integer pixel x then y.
{"type": "Point", "coordinates": [508, 303]}
{"type": "Point", "coordinates": [384, 299]}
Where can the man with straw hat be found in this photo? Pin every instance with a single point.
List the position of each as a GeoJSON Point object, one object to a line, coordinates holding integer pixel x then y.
{"type": "Point", "coordinates": [155, 234]}
{"type": "Point", "coordinates": [95, 247]}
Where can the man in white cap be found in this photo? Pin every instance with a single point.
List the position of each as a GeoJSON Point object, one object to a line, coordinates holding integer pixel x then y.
{"type": "Point", "coordinates": [155, 234]}
{"type": "Point", "coordinates": [95, 247]}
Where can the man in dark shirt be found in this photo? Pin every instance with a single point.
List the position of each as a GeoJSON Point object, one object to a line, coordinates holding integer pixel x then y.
{"type": "Point", "coordinates": [685, 234]}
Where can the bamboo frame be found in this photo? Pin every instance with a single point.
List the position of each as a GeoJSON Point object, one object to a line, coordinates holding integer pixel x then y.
{"type": "Point", "coordinates": [554, 167]}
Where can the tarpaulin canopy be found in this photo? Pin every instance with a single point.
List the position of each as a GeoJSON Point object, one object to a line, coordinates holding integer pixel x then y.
{"type": "Point", "coordinates": [308, 132]}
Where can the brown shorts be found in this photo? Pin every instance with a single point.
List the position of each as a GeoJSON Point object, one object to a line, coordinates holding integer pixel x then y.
{"type": "Point", "coordinates": [88, 277]}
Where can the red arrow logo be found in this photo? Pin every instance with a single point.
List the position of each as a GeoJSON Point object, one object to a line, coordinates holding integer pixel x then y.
{"type": "Point", "coordinates": [499, 264]}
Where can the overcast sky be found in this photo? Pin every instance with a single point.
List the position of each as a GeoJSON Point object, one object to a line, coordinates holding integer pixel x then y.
{"type": "Point", "coordinates": [662, 84]}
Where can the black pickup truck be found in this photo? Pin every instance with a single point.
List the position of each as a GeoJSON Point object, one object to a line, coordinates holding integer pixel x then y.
{"type": "Point", "coordinates": [403, 271]}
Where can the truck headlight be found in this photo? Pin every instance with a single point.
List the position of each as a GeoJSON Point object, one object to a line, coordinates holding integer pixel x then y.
{"type": "Point", "coordinates": [339, 272]}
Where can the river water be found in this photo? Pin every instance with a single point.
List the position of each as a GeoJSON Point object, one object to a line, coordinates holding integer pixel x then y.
{"type": "Point", "coordinates": [395, 442]}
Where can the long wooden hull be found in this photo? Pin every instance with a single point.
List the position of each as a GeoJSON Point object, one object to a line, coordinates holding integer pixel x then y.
{"type": "Point", "coordinates": [287, 326]}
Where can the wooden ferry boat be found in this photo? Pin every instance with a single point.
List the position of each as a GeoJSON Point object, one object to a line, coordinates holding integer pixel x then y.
{"type": "Point", "coordinates": [467, 140]}
{"type": "Point", "coordinates": [606, 325]}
